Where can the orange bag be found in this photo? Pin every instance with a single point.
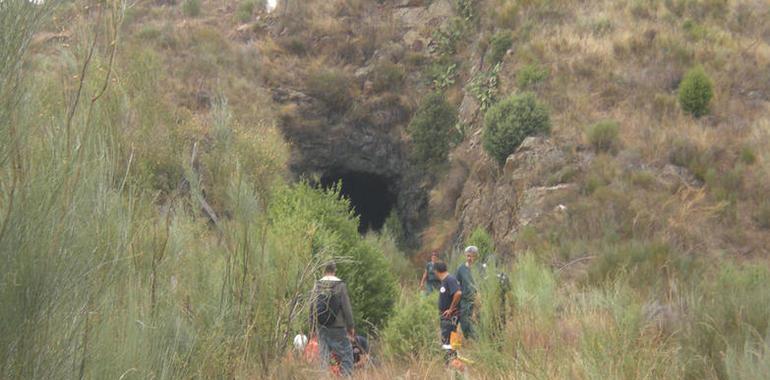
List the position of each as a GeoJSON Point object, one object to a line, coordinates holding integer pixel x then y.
{"type": "Point", "coordinates": [456, 339]}
{"type": "Point", "coordinates": [312, 350]}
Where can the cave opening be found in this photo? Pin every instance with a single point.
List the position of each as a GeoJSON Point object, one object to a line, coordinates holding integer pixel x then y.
{"type": "Point", "coordinates": [372, 196]}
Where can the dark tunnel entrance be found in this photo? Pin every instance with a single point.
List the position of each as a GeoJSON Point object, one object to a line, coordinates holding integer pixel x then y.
{"type": "Point", "coordinates": [371, 196]}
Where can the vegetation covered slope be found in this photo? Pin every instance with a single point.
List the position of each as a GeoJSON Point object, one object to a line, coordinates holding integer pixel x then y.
{"type": "Point", "coordinates": [149, 229]}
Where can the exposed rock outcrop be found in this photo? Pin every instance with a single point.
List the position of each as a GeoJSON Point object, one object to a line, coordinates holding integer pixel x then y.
{"type": "Point", "coordinates": [503, 201]}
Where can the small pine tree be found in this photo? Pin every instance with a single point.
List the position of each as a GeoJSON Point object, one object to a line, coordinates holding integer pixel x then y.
{"type": "Point", "coordinates": [432, 128]}
{"type": "Point", "coordinates": [696, 91]}
{"type": "Point", "coordinates": [509, 122]}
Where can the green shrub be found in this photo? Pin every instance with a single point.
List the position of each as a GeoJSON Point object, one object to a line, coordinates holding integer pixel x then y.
{"type": "Point", "coordinates": [534, 289]}
{"type": "Point", "coordinates": [191, 8]}
{"type": "Point", "coordinates": [497, 303]}
{"type": "Point", "coordinates": [332, 88]}
{"type": "Point", "coordinates": [485, 85]}
{"type": "Point", "coordinates": [695, 92]}
{"type": "Point", "coordinates": [332, 228]}
{"type": "Point", "coordinates": [483, 241]}
{"type": "Point", "coordinates": [509, 122]}
{"type": "Point", "coordinates": [498, 46]}
{"type": "Point", "coordinates": [412, 331]}
{"type": "Point", "coordinates": [387, 76]}
{"type": "Point", "coordinates": [442, 73]}
{"type": "Point", "coordinates": [604, 136]}
{"type": "Point", "coordinates": [748, 156]}
{"type": "Point", "coordinates": [531, 75]}
{"type": "Point", "coordinates": [447, 38]}
{"type": "Point", "coordinates": [432, 128]}
{"type": "Point", "coordinates": [395, 229]}
{"type": "Point", "coordinates": [245, 10]}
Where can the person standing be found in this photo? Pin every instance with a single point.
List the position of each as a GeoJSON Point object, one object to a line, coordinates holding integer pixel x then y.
{"type": "Point", "coordinates": [448, 301]}
{"type": "Point", "coordinates": [468, 285]}
{"type": "Point", "coordinates": [331, 316]}
{"type": "Point", "coordinates": [429, 280]}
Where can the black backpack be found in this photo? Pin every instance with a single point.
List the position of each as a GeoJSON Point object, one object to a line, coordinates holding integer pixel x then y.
{"type": "Point", "coordinates": [327, 304]}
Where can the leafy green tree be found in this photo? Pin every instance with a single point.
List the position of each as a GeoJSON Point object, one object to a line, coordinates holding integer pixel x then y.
{"type": "Point", "coordinates": [696, 91]}
{"type": "Point", "coordinates": [432, 129]}
{"type": "Point", "coordinates": [509, 122]}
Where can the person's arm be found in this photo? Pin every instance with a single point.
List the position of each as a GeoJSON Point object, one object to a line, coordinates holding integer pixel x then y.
{"type": "Point", "coordinates": [453, 306]}
{"type": "Point", "coordinates": [347, 311]}
{"type": "Point", "coordinates": [424, 278]}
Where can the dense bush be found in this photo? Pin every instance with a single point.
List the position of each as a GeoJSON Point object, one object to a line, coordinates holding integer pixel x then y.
{"type": "Point", "coordinates": [509, 122]}
{"type": "Point", "coordinates": [432, 129]}
{"type": "Point", "coordinates": [411, 334]}
{"type": "Point", "coordinates": [695, 92]}
{"type": "Point", "coordinates": [483, 241]}
{"type": "Point", "coordinates": [499, 45]}
{"type": "Point", "coordinates": [603, 136]}
{"type": "Point", "coordinates": [333, 230]}
{"type": "Point", "coordinates": [531, 75]}
{"type": "Point", "coordinates": [331, 87]}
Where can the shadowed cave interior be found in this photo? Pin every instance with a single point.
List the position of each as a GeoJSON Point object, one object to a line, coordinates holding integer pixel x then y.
{"type": "Point", "coordinates": [371, 196]}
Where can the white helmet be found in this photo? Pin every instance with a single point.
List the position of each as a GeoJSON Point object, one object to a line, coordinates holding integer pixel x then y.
{"type": "Point", "coordinates": [300, 342]}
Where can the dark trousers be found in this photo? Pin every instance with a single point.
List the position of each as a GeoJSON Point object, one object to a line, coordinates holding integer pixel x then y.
{"type": "Point", "coordinates": [335, 340]}
{"type": "Point", "coordinates": [447, 326]}
{"type": "Point", "coordinates": [466, 319]}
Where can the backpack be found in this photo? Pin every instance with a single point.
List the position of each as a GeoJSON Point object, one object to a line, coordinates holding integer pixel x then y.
{"type": "Point", "coordinates": [327, 305]}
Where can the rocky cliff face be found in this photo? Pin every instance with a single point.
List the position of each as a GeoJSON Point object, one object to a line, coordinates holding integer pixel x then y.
{"type": "Point", "coordinates": [525, 192]}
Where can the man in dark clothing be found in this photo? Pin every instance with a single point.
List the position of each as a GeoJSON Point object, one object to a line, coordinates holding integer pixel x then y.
{"type": "Point", "coordinates": [448, 301]}
{"type": "Point", "coordinates": [429, 280]}
{"type": "Point", "coordinates": [468, 285]}
{"type": "Point", "coordinates": [335, 336]}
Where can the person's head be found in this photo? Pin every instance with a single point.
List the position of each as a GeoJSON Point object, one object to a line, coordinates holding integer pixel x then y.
{"type": "Point", "coordinates": [434, 256]}
{"type": "Point", "coordinates": [471, 253]}
{"type": "Point", "coordinates": [330, 268]}
{"type": "Point", "coordinates": [440, 269]}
